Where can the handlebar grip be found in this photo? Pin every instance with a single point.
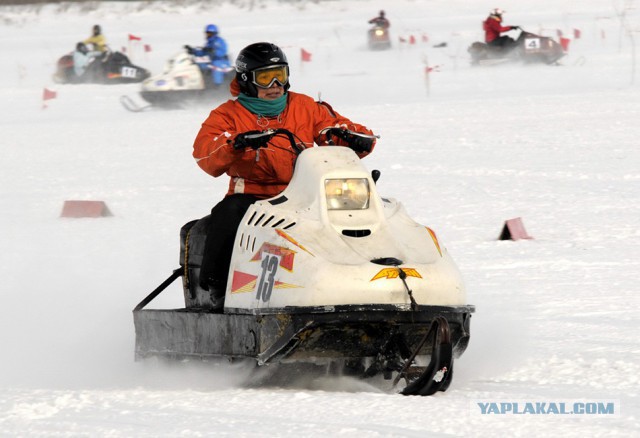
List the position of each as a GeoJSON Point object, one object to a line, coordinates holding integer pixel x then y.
{"type": "Point", "coordinates": [269, 132]}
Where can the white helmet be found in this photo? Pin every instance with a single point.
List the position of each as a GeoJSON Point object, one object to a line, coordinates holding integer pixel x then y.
{"type": "Point", "coordinates": [497, 12]}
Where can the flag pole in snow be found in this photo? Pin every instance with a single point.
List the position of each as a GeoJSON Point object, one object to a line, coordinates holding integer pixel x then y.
{"type": "Point", "coordinates": [132, 38]}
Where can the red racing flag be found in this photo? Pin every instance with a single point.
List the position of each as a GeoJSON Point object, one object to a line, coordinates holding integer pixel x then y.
{"type": "Point", "coordinates": [134, 38]}
{"type": "Point", "coordinates": [48, 94]}
{"type": "Point", "coordinates": [304, 55]}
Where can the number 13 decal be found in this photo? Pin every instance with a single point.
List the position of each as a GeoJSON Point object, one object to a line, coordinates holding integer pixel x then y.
{"type": "Point", "coordinates": [269, 265]}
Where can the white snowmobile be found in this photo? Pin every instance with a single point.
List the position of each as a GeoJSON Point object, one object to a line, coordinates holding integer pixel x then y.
{"type": "Point", "coordinates": [378, 38]}
{"type": "Point", "coordinates": [528, 48]}
{"type": "Point", "coordinates": [181, 82]}
{"type": "Point", "coordinates": [327, 274]}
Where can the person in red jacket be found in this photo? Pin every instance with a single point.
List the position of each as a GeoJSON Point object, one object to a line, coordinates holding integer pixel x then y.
{"type": "Point", "coordinates": [493, 28]}
{"type": "Point", "coordinates": [259, 167]}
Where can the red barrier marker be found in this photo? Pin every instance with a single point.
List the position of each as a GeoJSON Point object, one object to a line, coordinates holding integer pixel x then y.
{"type": "Point", "coordinates": [85, 209]}
{"type": "Point", "coordinates": [514, 230]}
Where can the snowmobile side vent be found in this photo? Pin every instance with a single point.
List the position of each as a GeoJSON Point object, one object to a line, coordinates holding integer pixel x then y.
{"type": "Point", "coordinates": [245, 241]}
{"type": "Point", "coordinates": [291, 225]}
{"type": "Point", "coordinates": [265, 223]}
{"type": "Point", "coordinates": [278, 200]}
{"type": "Point", "coordinates": [387, 261]}
{"type": "Point", "coordinates": [259, 219]}
{"type": "Point", "coordinates": [277, 223]}
{"type": "Point", "coordinates": [356, 233]}
{"type": "Point", "coordinates": [251, 218]}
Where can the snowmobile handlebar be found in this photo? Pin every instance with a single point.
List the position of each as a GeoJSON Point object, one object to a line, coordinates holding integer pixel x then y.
{"type": "Point", "coordinates": [342, 133]}
{"type": "Point", "coordinates": [257, 139]}
{"type": "Point", "coordinates": [269, 134]}
{"type": "Point", "coordinates": [357, 141]}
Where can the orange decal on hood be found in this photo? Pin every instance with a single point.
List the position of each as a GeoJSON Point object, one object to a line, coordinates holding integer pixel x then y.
{"type": "Point", "coordinates": [286, 255]}
{"type": "Point", "coordinates": [435, 239]}
{"type": "Point", "coordinates": [288, 238]}
{"type": "Point", "coordinates": [243, 282]}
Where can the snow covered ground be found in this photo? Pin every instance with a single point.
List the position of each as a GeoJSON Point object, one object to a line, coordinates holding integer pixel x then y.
{"type": "Point", "coordinates": [556, 316]}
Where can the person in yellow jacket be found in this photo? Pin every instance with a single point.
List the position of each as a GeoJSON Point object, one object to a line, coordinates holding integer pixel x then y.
{"type": "Point", "coordinates": [97, 39]}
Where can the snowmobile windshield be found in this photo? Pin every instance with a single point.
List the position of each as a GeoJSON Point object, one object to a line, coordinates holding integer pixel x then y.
{"type": "Point", "coordinates": [265, 77]}
{"type": "Point", "coordinates": [347, 194]}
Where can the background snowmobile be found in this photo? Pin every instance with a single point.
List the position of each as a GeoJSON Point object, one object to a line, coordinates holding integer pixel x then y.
{"type": "Point", "coordinates": [182, 81]}
{"type": "Point", "coordinates": [527, 48]}
{"type": "Point", "coordinates": [378, 38]}
{"type": "Point", "coordinates": [327, 274]}
{"type": "Point", "coordinates": [110, 68]}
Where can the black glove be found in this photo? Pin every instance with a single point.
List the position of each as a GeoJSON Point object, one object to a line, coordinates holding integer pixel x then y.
{"type": "Point", "coordinates": [252, 139]}
{"type": "Point", "coordinates": [355, 142]}
{"type": "Point", "coordinates": [189, 49]}
{"type": "Point", "coordinates": [360, 144]}
{"type": "Point", "coordinates": [515, 27]}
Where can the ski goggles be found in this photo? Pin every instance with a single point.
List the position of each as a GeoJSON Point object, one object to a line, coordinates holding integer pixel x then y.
{"type": "Point", "coordinates": [265, 77]}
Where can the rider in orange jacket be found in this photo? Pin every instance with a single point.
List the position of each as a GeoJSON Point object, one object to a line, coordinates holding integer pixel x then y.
{"type": "Point", "coordinates": [264, 172]}
{"type": "Point", "coordinates": [259, 167]}
{"type": "Point", "coordinates": [493, 28]}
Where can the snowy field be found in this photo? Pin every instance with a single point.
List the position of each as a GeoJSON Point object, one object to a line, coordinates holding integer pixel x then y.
{"type": "Point", "coordinates": [557, 316]}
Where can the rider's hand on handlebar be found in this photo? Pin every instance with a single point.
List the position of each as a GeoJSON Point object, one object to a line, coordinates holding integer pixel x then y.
{"type": "Point", "coordinates": [189, 49]}
{"type": "Point", "coordinates": [515, 27]}
{"type": "Point", "coordinates": [356, 142]}
{"type": "Point", "coordinates": [252, 139]}
{"type": "Point", "coordinates": [360, 144]}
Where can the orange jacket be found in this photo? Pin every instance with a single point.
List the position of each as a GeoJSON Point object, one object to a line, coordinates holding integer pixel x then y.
{"type": "Point", "coordinates": [267, 171]}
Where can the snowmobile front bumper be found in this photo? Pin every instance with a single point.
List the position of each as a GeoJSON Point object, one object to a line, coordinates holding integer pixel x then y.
{"type": "Point", "coordinates": [295, 333]}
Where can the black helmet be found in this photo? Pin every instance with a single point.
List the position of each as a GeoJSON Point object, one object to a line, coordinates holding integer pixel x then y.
{"type": "Point", "coordinates": [97, 30]}
{"type": "Point", "coordinates": [255, 57]}
{"type": "Point", "coordinates": [82, 48]}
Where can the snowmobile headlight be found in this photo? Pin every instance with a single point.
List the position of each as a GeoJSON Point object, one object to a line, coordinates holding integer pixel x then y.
{"type": "Point", "coordinates": [379, 32]}
{"type": "Point", "coordinates": [347, 194]}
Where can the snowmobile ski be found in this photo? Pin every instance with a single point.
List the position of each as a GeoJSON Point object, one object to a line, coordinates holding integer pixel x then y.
{"type": "Point", "coordinates": [132, 105]}
{"type": "Point", "coordinates": [438, 373]}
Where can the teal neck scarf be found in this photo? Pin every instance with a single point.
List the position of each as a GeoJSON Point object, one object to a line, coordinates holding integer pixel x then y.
{"type": "Point", "coordinates": [263, 107]}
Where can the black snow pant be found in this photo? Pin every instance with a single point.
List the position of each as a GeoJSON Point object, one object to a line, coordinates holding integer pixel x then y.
{"type": "Point", "coordinates": [221, 233]}
{"type": "Point", "coordinates": [503, 41]}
